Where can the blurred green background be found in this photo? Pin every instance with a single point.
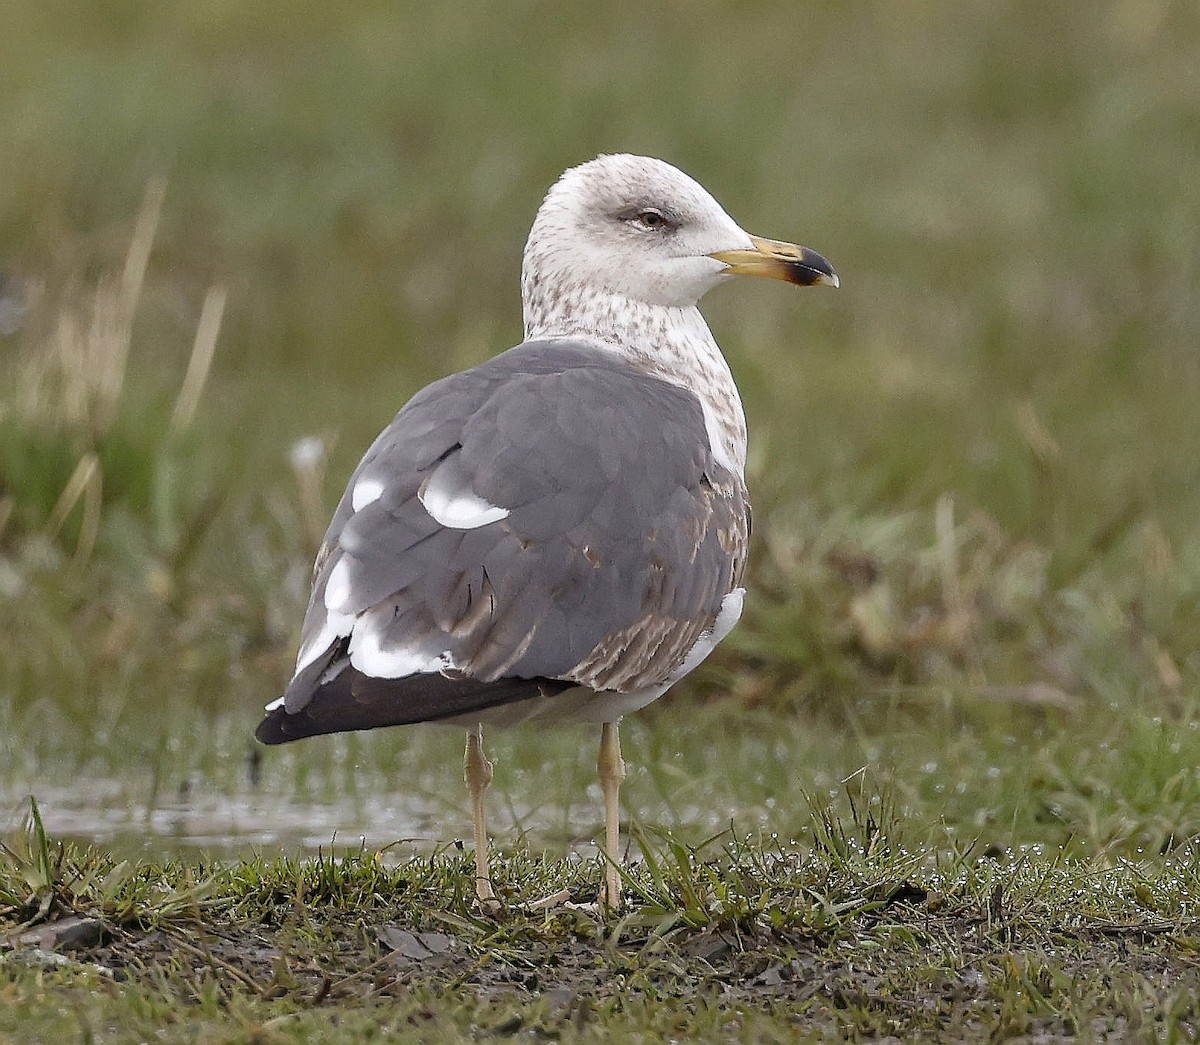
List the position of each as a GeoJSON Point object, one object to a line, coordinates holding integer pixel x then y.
{"type": "Point", "coordinates": [974, 467]}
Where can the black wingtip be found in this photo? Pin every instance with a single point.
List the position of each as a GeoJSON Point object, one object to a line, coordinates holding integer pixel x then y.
{"type": "Point", "coordinates": [273, 729]}
{"type": "Point", "coordinates": [353, 701]}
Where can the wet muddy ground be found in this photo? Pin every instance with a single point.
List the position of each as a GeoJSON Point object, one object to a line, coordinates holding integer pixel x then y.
{"type": "Point", "coordinates": [911, 964]}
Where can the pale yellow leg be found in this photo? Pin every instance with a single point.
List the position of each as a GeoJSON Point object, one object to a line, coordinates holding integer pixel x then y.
{"type": "Point", "coordinates": [612, 773]}
{"type": "Point", "coordinates": [477, 771]}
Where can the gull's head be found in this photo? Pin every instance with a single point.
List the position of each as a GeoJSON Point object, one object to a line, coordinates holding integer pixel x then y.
{"type": "Point", "coordinates": [638, 229]}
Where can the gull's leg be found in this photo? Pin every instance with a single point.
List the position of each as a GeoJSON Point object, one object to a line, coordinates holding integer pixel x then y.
{"type": "Point", "coordinates": [612, 772]}
{"type": "Point", "coordinates": [477, 771]}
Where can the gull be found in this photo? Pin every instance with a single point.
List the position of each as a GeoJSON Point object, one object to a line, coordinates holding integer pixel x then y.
{"type": "Point", "coordinates": [559, 533]}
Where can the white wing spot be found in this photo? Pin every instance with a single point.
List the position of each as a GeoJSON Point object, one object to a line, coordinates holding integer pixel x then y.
{"type": "Point", "coordinates": [337, 588]}
{"type": "Point", "coordinates": [371, 657]}
{"type": "Point", "coordinates": [366, 491]}
{"type": "Point", "coordinates": [333, 627]}
{"type": "Point", "coordinates": [447, 496]}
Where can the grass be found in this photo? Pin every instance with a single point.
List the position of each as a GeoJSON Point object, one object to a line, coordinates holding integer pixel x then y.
{"type": "Point", "coordinates": [234, 239]}
{"type": "Point", "coordinates": [855, 934]}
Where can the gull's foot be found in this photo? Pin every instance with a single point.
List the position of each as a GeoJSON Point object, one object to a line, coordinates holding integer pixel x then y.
{"type": "Point", "coordinates": [488, 901]}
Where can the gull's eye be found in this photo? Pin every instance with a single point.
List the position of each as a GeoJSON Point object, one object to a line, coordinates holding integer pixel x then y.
{"type": "Point", "coordinates": [647, 219]}
{"type": "Point", "coordinates": [651, 219]}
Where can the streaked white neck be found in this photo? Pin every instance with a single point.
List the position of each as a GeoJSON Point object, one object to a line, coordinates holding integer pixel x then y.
{"type": "Point", "coordinates": [672, 343]}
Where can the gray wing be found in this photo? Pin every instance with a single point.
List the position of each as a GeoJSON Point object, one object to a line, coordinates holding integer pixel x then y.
{"type": "Point", "coordinates": [550, 518]}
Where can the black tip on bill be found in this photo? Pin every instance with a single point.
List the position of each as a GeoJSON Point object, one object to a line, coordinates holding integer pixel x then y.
{"type": "Point", "coordinates": [811, 269]}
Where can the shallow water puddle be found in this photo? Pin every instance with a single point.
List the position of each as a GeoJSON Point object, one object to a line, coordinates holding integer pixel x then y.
{"type": "Point", "coordinates": [692, 774]}
{"type": "Point", "coordinates": [222, 826]}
